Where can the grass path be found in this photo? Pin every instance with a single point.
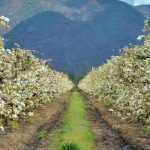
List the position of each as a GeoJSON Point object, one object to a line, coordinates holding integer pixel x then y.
{"type": "Point", "coordinates": [76, 129]}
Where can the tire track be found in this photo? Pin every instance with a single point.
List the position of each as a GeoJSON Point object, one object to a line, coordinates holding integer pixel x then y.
{"type": "Point", "coordinates": [50, 127]}
{"type": "Point", "coordinates": [106, 138]}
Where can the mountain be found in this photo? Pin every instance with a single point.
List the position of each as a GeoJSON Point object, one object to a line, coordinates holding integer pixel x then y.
{"type": "Point", "coordinates": [18, 10]}
{"type": "Point", "coordinates": [145, 10]}
{"type": "Point", "coordinates": [76, 45]}
{"type": "Point", "coordinates": [74, 3]}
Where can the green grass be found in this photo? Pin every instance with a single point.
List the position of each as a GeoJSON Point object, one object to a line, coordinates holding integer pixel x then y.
{"type": "Point", "coordinates": [42, 135]}
{"type": "Point", "coordinates": [76, 130]}
{"type": "Point", "coordinates": [147, 130]}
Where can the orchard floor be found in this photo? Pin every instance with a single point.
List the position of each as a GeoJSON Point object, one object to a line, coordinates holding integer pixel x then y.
{"type": "Point", "coordinates": [24, 137]}
{"type": "Point", "coordinates": [84, 127]}
{"type": "Point", "coordinates": [72, 122]}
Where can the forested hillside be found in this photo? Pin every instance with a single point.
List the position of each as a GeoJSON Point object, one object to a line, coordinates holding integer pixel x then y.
{"type": "Point", "coordinates": [76, 43]}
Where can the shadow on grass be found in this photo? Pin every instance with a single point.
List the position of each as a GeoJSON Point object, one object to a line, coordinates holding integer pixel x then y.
{"type": "Point", "coordinates": [70, 146]}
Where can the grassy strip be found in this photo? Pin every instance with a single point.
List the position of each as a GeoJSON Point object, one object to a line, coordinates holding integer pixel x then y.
{"type": "Point", "coordinates": [76, 131]}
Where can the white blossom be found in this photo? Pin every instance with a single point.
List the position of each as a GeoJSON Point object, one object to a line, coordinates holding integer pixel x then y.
{"type": "Point", "coordinates": [5, 19]}
{"type": "Point", "coordinates": [123, 83]}
{"type": "Point", "coordinates": [30, 114]}
{"type": "Point", "coordinates": [2, 129]}
{"type": "Point", "coordinates": [27, 84]}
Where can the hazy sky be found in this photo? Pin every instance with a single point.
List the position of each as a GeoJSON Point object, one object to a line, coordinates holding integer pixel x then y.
{"type": "Point", "coordinates": [137, 2]}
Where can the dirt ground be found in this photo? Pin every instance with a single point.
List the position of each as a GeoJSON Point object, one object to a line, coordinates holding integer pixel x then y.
{"type": "Point", "coordinates": [23, 138]}
{"type": "Point", "coordinates": [111, 132]}
{"type": "Point", "coordinates": [106, 137]}
{"type": "Point", "coordinates": [130, 132]}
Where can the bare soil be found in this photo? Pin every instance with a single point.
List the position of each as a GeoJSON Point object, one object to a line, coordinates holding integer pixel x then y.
{"type": "Point", "coordinates": [106, 137]}
{"type": "Point", "coordinates": [117, 134]}
{"type": "Point", "coordinates": [112, 133]}
{"type": "Point", "coordinates": [45, 117]}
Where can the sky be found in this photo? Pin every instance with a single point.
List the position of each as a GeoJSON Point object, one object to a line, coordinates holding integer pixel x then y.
{"type": "Point", "coordinates": [137, 2]}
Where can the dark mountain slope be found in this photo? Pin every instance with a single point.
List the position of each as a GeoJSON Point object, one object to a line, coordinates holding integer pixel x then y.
{"type": "Point", "coordinates": [145, 10]}
{"type": "Point", "coordinates": [76, 46]}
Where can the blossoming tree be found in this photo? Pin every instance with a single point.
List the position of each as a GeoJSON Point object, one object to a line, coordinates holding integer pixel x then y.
{"type": "Point", "coordinates": [123, 83]}
{"type": "Point", "coordinates": [25, 83]}
{"type": "Point", "coordinates": [4, 24]}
